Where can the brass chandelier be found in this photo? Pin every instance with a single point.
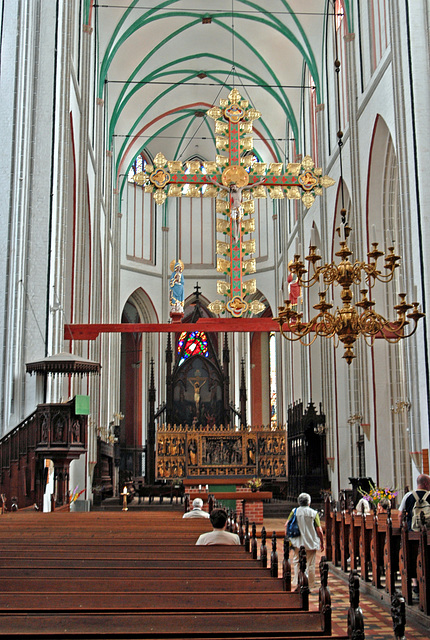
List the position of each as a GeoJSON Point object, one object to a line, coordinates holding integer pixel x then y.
{"type": "Point", "coordinates": [347, 323]}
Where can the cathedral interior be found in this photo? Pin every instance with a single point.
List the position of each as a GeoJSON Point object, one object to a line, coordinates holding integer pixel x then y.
{"type": "Point", "coordinates": [253, 171]}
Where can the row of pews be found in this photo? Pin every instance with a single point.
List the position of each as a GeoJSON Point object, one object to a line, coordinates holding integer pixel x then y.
{"type": "Point", "coordinates": [113, 575]}
{"type": "Point", "coordinates": [381, 549]}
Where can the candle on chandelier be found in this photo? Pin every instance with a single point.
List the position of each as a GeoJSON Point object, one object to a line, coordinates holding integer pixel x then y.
{"type": "Point", "coordinates": [373, 239]}
{"type": "Point", "coordinates": [400, 287]}
{"type": "Point", "coordinates": [313, 242]}
{"type": "Point", "coordinates": [390, 240]}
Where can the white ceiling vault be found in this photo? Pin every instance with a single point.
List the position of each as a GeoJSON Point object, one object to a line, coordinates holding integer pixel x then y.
{"type": "Point", "coordinates": [162, 65]}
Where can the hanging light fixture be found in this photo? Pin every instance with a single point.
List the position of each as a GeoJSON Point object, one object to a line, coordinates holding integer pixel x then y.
{"type": "Point", "coordinates": [348, 323]}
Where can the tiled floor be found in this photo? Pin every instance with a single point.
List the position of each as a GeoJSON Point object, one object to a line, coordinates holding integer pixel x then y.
{"type": "Point", "coordinates": [376, 612]}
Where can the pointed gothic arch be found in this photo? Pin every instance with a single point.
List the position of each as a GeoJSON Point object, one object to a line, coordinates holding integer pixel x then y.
{"type": "Point", "coordinates": [383, 211]}
{"type": "Point", "coordinates": [137, 349]}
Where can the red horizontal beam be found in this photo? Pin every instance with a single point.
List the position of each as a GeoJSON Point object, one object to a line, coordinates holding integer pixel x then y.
{"type": "Point", "coordinates": [211, 325]}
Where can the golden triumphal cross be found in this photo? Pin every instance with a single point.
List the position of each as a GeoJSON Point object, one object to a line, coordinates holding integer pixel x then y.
{"type": "Point", "coordinates": [236, 181]}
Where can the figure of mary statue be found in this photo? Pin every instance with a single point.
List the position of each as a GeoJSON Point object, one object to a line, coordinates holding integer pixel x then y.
{"type": "Point", "coordinates": [176, 295]}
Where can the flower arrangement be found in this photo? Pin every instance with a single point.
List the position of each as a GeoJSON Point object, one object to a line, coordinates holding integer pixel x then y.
{"type": "Point", "coordinates": [75, 494]}
{"type": "Point", "coordinates": [255, 483]}
{"type": "Point", "coordinates": [378, 494]}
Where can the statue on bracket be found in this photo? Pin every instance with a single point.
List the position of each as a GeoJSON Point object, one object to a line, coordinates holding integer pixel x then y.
{"type": "Point", "coordinates": [176, 295]}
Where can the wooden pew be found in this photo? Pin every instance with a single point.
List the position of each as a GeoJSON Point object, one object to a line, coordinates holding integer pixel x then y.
{"type": "Point", "coordinates": [384, 544]}
{"type": "Point", "coordinates": [423, 570]}
{"type": "Point", "coordinates": [152, 582]}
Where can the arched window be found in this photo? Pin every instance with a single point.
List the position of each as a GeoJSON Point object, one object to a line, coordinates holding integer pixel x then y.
{"type": "Point", "coordinates": [313, 119]}
{"type": "Point", "coordinates": [192, 344]}
{"type": "Point", "coordinates": [137, 167]}
{"type": "Point", "coordinates": [341, 31]}
{"type": "Point", "coordinates": [379, 30]}
{"type": "Point", "coordinates": [273, 386]}
{"type": "Point", "coordinates": [140, 216]}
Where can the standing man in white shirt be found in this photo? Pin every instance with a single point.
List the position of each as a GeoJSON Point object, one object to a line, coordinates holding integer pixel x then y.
{"type": "Point", "coordinates": [311, 537]}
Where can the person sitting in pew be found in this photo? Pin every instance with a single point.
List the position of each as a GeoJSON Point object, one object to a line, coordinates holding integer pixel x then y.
{"type": "Point", "coordinates": [409, 499]}
{"type": "Point", "coordinates": [363, 506]}
{"type": "Point", "coordinates": [196, 511]}
{"type": "Point", "coordinates": [407, 505]}
{"type": "Point", "coordinates": [218, 520]}
{"type": "Point", "coordinates": [383, 505]}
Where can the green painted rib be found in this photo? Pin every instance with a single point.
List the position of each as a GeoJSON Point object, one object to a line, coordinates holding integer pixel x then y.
{"type": "Point", "coordinates": [137, 87]}
{"type": "Point", "coordinates": [187, 113]}
{"type": "Point", "coordinates": [143, 21]}
{"type": "Point", "coordinates": [181, 139]}
{"type": "Point", "coordinates": [349, 15]}
{"type": "Point", "coordinates": [106, 58]}
{"type": "Point", "coordinates": [142, 148]}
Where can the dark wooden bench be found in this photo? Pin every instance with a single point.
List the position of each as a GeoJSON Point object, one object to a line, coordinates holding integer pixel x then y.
{"type": "Point", "coordinates": [381, 543]}
{"type": "Point", "coordinates": [148, 580]}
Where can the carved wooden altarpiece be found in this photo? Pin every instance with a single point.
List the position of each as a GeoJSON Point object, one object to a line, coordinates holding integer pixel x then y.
{"type": "Point", "coordinates": [187, 451]}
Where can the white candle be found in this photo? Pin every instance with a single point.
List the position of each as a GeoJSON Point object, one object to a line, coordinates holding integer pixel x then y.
{"type": "Point", "coordinates": [313, 238]}
{"type": "Point", "coordinates": [200, 487]}
{"type": "Point", "coordinates": [390, 241]}
{"type": "Point", "coordinates": [373, 234]}
{"type": "Point", "coordinates": [321, 282]}
{"type": "Point", "coordinates": [400, 284]}
{"type": "Point", "coordinates": [300, 248]}
{"type": "Point", "coordinates": [296, 246]}
{"type": "Point", "coordinates": [125, 490]}
{"type": "Point", "coordinates": [415, 293]}
{"type": "Point", "coordinates": [342, 232]}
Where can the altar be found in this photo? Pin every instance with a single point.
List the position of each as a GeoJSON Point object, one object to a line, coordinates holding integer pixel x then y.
{"type": "Point", "coordinates": [237, 496]}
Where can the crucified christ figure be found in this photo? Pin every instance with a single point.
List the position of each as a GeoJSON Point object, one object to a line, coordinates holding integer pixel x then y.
{"type": "Point", "coordinates": [197, 386]}
{"type": "Point", "coordinates": [235, 202]}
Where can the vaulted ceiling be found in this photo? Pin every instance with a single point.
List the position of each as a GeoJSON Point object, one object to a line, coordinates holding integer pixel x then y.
{"type": "Point", "coordinates": [163, 64]}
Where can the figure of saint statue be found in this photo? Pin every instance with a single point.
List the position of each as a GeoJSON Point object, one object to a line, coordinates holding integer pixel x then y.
{"type": "Point", "coordinates": [235, 203]}
{"type": "Point", "coordinates": [192, 453]}
{"type": "Point", "coordinates": [176, 295]}
{"type": "Point", "coordinates": [294, 290]}
{"type": "Point", "coordinates": [250, 451]}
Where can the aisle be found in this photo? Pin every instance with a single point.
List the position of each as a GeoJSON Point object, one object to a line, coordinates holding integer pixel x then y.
{"type": "Point", "coordinates": [377, 616]}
